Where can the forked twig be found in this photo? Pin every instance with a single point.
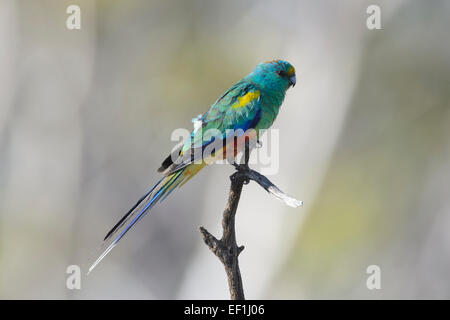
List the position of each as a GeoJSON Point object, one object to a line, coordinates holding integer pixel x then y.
{"type": "Point", "coordinates": [226, 249]}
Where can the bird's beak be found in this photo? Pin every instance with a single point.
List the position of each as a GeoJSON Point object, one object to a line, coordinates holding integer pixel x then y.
{"type": "Point", "coordinates": [293, 80]}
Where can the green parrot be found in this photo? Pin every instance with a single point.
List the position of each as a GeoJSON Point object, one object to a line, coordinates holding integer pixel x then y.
{"type": "Point", "coordinates": [250, 105]}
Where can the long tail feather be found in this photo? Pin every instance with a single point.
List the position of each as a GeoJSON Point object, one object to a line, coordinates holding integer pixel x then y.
{"type": "Point", "coordinates": [122, 220]}
{"type": "Point", "coordinates": [156, 194]}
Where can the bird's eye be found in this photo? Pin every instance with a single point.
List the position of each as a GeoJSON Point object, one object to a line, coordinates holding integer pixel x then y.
{"type": "Point", "coordinates": [281, 73]}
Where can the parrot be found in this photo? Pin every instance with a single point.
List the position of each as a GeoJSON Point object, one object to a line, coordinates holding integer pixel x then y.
{"type": "Point", "coordinates": [250, 105]}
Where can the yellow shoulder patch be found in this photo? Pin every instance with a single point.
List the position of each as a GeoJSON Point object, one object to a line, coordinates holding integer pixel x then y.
{"type": "Point", "coordinates": [246, 99]}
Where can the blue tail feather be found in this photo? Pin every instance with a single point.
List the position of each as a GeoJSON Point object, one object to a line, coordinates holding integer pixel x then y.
{"type": "Point", "coordinates": [137, 212]}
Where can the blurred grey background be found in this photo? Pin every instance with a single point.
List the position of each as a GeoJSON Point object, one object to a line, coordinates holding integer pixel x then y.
{"type": "Point", "coordinates": [86, 117]}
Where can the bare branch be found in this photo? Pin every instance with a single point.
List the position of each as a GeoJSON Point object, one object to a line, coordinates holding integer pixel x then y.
{"type": "Point", "coordinates": [249, 174]}
{"type": "Point", "coordinates": [226, 248]}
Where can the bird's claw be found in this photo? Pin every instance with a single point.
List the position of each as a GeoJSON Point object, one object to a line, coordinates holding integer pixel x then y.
{"type": "Point", "coordinates": [242, 168]}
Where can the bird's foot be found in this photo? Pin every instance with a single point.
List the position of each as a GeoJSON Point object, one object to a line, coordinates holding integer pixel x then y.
{"type": "Point", "coordinates": [242, 168]}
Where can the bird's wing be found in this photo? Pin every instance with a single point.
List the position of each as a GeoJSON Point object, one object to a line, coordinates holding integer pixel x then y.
{"type": "Point", "coordinates": [238, 108]}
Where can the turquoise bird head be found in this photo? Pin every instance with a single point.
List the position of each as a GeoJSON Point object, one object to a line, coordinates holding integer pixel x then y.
{"type": "Point", "coordinates": [277, 75]}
